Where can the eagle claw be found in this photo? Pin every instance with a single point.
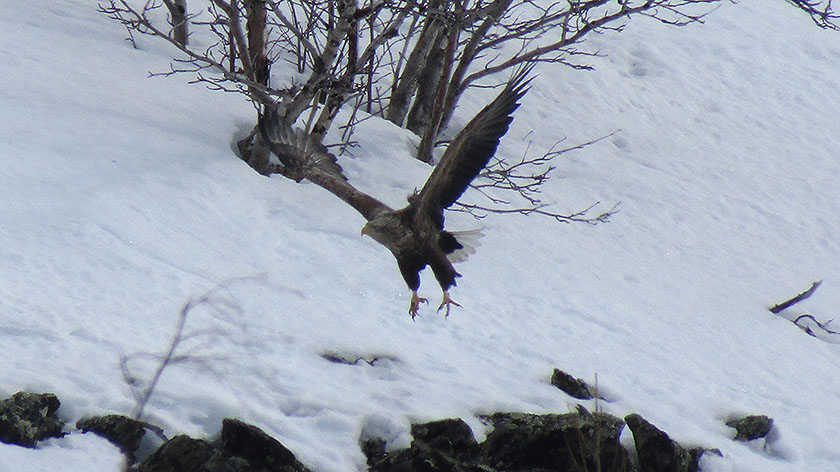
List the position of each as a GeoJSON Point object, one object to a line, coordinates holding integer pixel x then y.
{"type": "Point", "coordinates": [415, 304]}
{"type": "Point", "coordinates": [447, 302]}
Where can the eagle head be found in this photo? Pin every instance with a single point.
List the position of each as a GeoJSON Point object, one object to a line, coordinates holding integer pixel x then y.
{"type": "Point", "coordinates": [386, 229]}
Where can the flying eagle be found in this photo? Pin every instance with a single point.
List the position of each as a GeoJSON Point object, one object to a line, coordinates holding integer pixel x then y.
{"type": "Point", "coordinates": [414, 234]}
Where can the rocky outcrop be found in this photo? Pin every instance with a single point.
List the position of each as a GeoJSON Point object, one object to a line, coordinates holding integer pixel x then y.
{"type": "Point", "coordinates": [26, 418]}
{"type": "Point", "coordinates": [571, 441]}
{"type": "Point", "coordinates": [241, 448]}
{"type": "Point", "coordinates": [518, 442]}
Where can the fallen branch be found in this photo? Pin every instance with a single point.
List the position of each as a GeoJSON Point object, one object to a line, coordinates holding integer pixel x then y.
{"type": "Point", "coordinates": [807, 329]}
{"type": "Point", "coordinates": [802, 296]}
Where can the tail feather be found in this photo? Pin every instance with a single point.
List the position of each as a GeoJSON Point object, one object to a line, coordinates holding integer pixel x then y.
{"type": "Point", "coordinates": [468, 241]}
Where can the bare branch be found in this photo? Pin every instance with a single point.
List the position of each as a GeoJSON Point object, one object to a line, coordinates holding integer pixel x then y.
{"type": "Point", "coordinates": [523, 180]}
{"type": "Point", "coordinates": [807, 329]}
{"type": "Point", "coordinates": [580, 216]}
{"type": "Point", "coordinates": [216, 299]}
{"type": "Point", "coordinates": [820, 11]}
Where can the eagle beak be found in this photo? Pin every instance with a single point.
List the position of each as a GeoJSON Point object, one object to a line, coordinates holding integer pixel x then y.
{"type": "Point", "coordinates": [364, 230]}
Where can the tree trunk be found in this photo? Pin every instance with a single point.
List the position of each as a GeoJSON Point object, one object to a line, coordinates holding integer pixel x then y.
{"type": "Point", "coordinates": [255, 27]}
{"type": "Point", "coordinates": [178, 18]}
{"type": "Point", "coordinates": [435, 113]}
{"type": "Point", "coordinates": [402, 94]}
{"type": "Point", "coordinates": [252, 149]}
{"type": "Point", "coordinates": [456, 86]}
{"type": "Point", "coordinates": [427, 87]}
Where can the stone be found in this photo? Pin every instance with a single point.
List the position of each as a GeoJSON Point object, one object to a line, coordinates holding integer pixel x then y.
{"type": "Point", "coordinates": [241, 448]}
{"type": "Point", "coordinates": [179, 454]}
{"type": "Point", "coordinates": [519, 442]}
{"type": "Point", "coordinates": [26, 418]}
{"type": "Point", "coordinates": [122, 431]}
{"type": "Point", "coordinates": [571, 441]}
{"type": "Point", "coordinates": [438, 446]}
{"type": "Point", "coordinates": [373, 449]}
{"type": "Point", "coordinates": [751, 427]}
{"type": "Point", "coordinates": [452, 436]}
{"type": "Point", "coordinates": [258, 449]}
{"type": "Point", "coordinates": [657, 451]}
{"type": "Point", "coordinates": [572, 386]}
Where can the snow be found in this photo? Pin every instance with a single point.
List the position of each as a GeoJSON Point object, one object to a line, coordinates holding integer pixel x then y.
{"type": "Point", "coordinates": [122, 200]}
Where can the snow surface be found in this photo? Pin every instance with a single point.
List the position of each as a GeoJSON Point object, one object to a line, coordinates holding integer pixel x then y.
{"type": "Point", "coordinates": [122, 200]}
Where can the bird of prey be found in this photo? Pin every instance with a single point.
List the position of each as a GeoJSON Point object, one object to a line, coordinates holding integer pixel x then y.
{"type": "Point", "coordinates": [414, 234]}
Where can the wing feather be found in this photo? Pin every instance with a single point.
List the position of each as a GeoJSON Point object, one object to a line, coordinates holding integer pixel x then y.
{"type": "Point", "coordinates": [472, 149]}
{"type": "Point", "coordinates": [306, 158]}
{"type": "Point", "coordinates": [295, 148]}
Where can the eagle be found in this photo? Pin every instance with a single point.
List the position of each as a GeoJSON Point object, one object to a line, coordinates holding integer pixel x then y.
{"type": "Point", "coordinates": [414, 234]}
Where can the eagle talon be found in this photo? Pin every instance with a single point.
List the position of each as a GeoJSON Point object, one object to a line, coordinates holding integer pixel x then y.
{"type": "Point", "coordinates": [415, 304]}
{"type": "Point", "coordinates": [447, 302]}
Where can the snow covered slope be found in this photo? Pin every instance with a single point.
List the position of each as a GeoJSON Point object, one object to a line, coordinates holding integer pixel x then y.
{"type": "Point", "coordinates": [122, 200]}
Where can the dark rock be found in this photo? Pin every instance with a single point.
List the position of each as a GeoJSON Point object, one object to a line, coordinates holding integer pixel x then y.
{"type": "Point", "coordinates": [657, 451]}
{"type": "Point", "coordinates": [453, 437]}
{"type": "Point", "coordinates": [26, 418]}
{"type": "Point", "coordinates": [179, 454]}
{"type": "Point", "coordinates": [258, 449]}
{"type": "Point", "coordinates": [373, 449]}
{"type": "Point", "coordinates": [751, 427]}
{"type": "Point", "coordinates": [124, 432]}
{"type": "Point", "coordinates": [241, 448]}
{"type": "Point", "coordinates": [418, 458]}
{"type": "Point", "coordinates": [519, 442]}
{"type": "Point", "coordinates": [439, 446]}
{"type": "Point", "coordinates": [573, 386]}
{"type": "Point", "coordinates": [572, 441]}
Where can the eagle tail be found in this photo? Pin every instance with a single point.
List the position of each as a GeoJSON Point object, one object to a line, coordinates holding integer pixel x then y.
{"type": "Point", "coordinates": [460, 245]}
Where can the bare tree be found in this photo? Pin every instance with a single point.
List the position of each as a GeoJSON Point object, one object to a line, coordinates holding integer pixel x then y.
{"type": "Point", "coordinates": [463, 42]}
{"type": "Point", "coordinates": [414, 58]}
{"type": "Point", "coordinates": [353, 48]}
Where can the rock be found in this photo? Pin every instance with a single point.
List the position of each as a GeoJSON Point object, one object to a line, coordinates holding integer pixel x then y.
{"type": "Point", "coordinates": [572, 441]}
{"type": "Point", "coordinates": [179, 454]}
{"type": "Point", "coordinates": [519, 442]}
{"type": "Point", "coordinates": [373, 449]}
{"type": "Point", "coordinates": [573, 386]}
{"type": "Point", "coordinates": [262, 452]}
{"type": "Point", "coordinates": [751, 427]}
{"type": "Point", "coordinates": [446, 445]}
{"type": "Point", "coordinates": [26, 418]}
{"type": "Point", "coordinates": [452, 437]}
{"type": "Point", "coordinates": [122, 431]}
{"type": "Point", "coordinates": [657, 451]}
{"type": "Point", "coordinates": [241, 448]}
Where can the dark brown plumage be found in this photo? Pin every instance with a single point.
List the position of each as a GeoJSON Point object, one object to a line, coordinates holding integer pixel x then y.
{"type": "Point", "coordinates": [414, 234]}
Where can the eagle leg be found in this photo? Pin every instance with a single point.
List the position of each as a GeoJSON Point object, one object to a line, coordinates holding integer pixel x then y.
{"type": "Point", "coordinates": [415, 304]}
{"type": "Point", "coordinates": [447, 302]}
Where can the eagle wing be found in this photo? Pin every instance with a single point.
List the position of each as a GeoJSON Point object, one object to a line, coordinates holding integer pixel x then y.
{"type": "Point", "coordinates": [306, 158]}
{"type": "Point", "coordinates": [297, 151]}
{"type": "Point", "coordinates": [471, 149]}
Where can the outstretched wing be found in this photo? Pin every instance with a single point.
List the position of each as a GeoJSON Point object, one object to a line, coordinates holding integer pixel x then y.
{"type": "Point", "coordinates": [306, 158]}
{"type": "Point", "coordinates": [471, 149]}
